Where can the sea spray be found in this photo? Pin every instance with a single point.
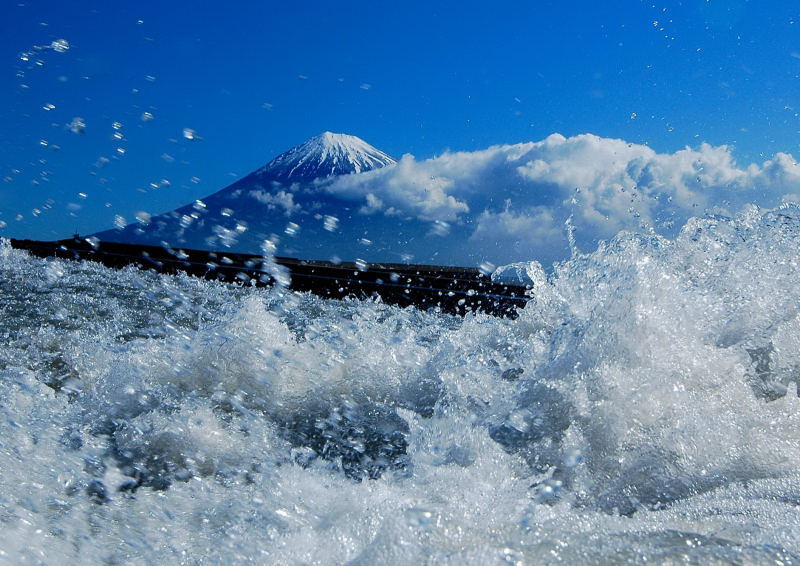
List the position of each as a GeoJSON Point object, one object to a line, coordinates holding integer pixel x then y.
{"type": "Point", "coordinates": [643, 407]}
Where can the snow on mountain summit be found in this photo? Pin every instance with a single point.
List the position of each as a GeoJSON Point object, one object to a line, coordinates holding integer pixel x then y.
{"type": "Point", "coordinates": [325, 155]}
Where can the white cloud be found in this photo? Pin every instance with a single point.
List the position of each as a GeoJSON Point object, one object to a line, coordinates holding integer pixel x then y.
{"type": "Point", "coordinates": [408, 187]}
{"type": "Point", "coordinates": [520, 195]}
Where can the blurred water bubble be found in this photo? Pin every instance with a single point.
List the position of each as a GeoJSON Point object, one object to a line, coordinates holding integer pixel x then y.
{"type": "Point", "coordinates": [121, 150]}
{"type": "Point", "coordinates": [150, 78]}
{"type": "Point", "coordinates": [361, 265]}
{"type": "Point", "coordinates": [49, 107]}
{"type": "Point", "coordinates": [60, 46]}
{"type": "Point", "coordinates": [146, 116]}
{"type": "Point", "coordinates": [365, 86]}
{"type": "Point", "coordinates": [119, 222]}
{"type": "Point", "coordinates": [440, 228]}
{"type": "Point", "coordinates": [199, 205]}
{"type": "Point", "coordinates": [292, 229]}
{"type": "Point", "coordinates": [189, 134]}
{"type": "Point", "coordinates": [419, 517]}
{"type": "Point", "coordinates": [195, 180]}
{"type": "Point", "coordinates": [487, 268]}
{"type": "Point", "coordinates": [117, 135]}
{"type": "Point", "coordinates": [143, 217]}
{"type": "Point", "coordinates": [18, 217]}
{"type": "Point", "coordinates": [365, 242]}
{"type": "Point", "coordinates": [226, 212]}
{"type": "Point", "coordinates": [633, 115]}
{"type": "Point", "coordinates": [330, 223]}
{"type": "Point", "coordinates": [44, 143]}
{"type": "Point", "coordinates": [53, 271]}
{"type": "Point", "coordinates": [2, 224]}
{"type": "Point", "coordinates": [77, 126]}
{"type": "Point", "coordinates": [116, 125]}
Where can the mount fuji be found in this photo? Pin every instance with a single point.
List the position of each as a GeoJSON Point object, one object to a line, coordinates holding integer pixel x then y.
{"type": "Point", "coordinates": [285, 201]}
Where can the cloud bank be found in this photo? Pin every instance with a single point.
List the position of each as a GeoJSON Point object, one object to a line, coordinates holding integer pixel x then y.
{"type": "Point", "coordinates": [520, 196]}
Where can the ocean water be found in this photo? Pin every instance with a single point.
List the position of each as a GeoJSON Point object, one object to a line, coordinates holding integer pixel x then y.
{"type": "Point", "coordinates": [642, 408]}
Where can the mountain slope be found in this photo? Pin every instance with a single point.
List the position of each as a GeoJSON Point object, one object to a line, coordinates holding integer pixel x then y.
{"type": "Point", "coordinates": [277, 199]}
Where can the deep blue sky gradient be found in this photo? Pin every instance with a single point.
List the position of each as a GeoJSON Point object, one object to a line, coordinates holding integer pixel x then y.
{"type": "Point", "coordinates": [255, 78]}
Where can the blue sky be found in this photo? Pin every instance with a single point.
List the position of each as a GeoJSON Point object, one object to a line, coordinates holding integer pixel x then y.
{"type": "Point", "coordinates": [255, 78]}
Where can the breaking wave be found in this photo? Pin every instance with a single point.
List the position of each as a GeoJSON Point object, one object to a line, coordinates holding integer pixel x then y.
{"type": "Point", "coordinates": [643, 407]}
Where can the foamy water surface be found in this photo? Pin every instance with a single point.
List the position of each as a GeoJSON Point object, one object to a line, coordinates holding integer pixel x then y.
{"type": "Point", "coordinates": [643, 407]}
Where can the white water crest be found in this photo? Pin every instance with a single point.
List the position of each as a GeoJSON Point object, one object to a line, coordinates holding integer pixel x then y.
{"type": "Point", "coordinates": [642, 408]}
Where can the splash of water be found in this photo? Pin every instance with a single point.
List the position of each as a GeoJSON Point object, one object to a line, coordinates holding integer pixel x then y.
{"type": "Point", "coordinates": [641, 408]}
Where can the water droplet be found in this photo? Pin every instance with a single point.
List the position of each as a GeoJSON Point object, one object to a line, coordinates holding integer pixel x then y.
{"type": "Point", "coordinates": [117, 125]}
{"type": "Point", "coordinates": [440, 228]}
{"type": "Point", "coordinates": [146, 116]}
{"type": "Point", "coordinates": [330, 223]}
{"type": "Point", "coordinates": [119, 222]}
{"type": "Point", "coordinates": [77, 126]}
{"type": "Point", "coordinates": [365, 242]}
{"type": "Point", "coordinates": [49, 107]}
{"type": "Point", "coordinates": [227, 212]}
{"type": "Point", "coordinates": [633, 115]}
{"type": "Point", "coordinates": [292, 229]}
{"type": "Point", "coordinates": [60, 46]}
{"type": "Point", "coordinates": [361, 265]}
{"type": "Point", "coordinates": [189, 134]}
{"type": "Point", "coordinates": [143, 217]}
{"type": "Point", "coordinates": [487, 268]}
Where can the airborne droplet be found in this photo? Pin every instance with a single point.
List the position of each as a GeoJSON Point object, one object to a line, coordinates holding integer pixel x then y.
{"type": "Point", "coordinates": [60, 46]}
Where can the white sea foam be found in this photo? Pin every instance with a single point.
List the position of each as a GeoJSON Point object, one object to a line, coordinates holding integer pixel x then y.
{"type": "Point", "coordinates": [642, 408]}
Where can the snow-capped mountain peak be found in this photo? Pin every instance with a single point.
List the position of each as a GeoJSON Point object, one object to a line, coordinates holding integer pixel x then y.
{"type": "Point", "coordinates": [325, 155]}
